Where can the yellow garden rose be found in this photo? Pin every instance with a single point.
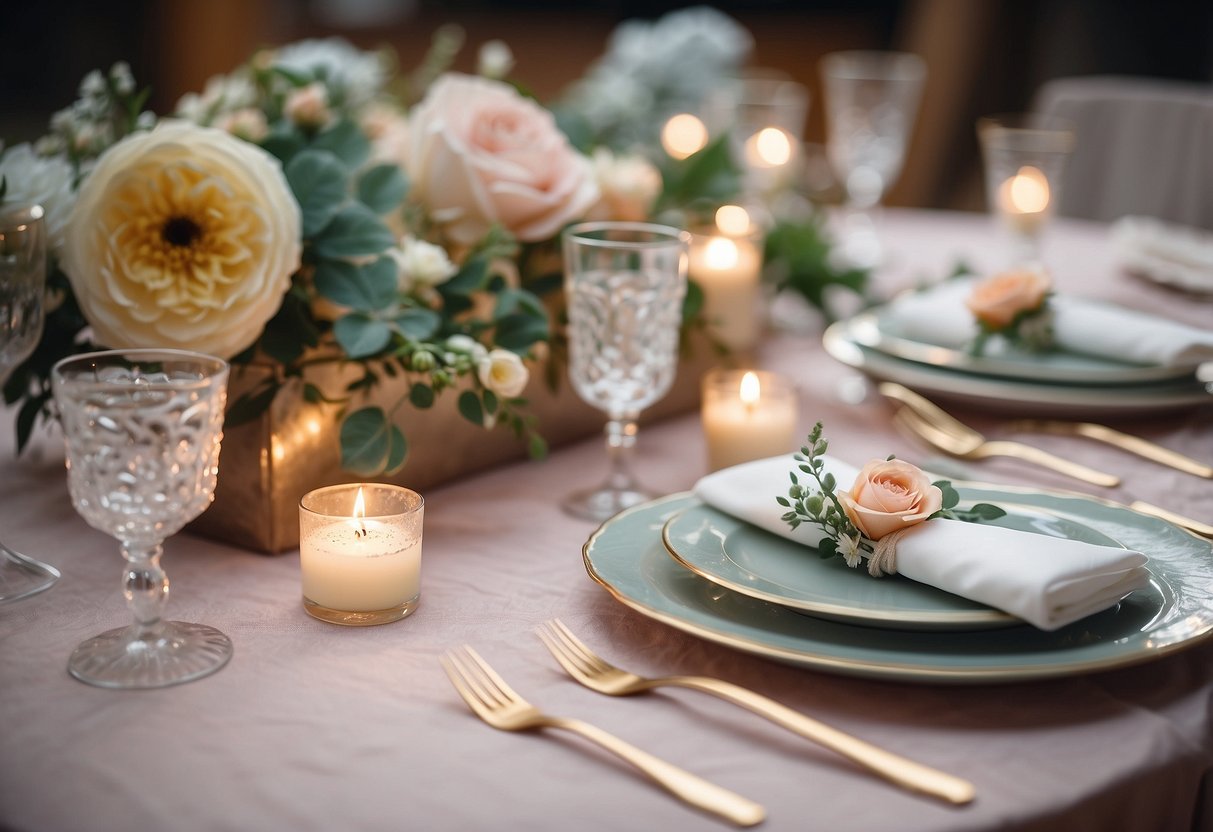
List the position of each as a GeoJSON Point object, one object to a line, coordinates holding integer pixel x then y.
{"type": "Point", "coordinates": [182, 237]}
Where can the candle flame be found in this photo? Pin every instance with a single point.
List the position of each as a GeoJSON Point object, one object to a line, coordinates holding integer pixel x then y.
{"type": "Point", "coordinates": [733, 220]}
{"type": "Point", "coordinates": [360, 514]}
{"type": "Point", "coordinates": [750, 389]}
{"type": "Point", "coordinates": [1027, 192]}
{"type": "Point", "coordinates": [770, 147]}
{"type": "Point", "coordinates": [721, 253]}
{"type": "Point", "coordinates": [683, 135]}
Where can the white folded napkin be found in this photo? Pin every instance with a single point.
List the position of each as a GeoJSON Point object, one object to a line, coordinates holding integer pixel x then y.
{"type": "Point", "coordinates": [938, 315]}
{"type": "Point", "coordinates": [1165, 252]}
{"type": "Point", "coordinates": [1047, 581]}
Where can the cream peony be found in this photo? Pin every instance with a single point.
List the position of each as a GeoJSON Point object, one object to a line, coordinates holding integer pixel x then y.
{"type": "Point", "coordinates": [481, 154]}
{"type": "Point", "coordinates": [183, 237]}
{"type": "Point", "coordinates": [421, 265]}
{"type": "Point", "coordinates": [503, 372]}
{"type": "Point", "coordinates": [889, 495]}
{"type": "Point", "coordinates": [630, 186]}
{"type": "Point", "coordinates": [999, 299]}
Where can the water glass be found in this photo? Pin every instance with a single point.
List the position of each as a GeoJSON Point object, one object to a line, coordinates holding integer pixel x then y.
{"type": "Point", "coordinates": [143, 429]}
{"type": "Point", "coordinates": [625, 283]}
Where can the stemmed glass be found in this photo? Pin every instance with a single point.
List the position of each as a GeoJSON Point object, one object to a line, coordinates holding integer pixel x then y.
{"type": "Point", "coordinates": [143, 429]}
{"type": "Point", "coordinates": [625, 283]}
{"type": "Point", "coordinates": [22, 293]}
{"type": "Point", "coordinates": [871, 100]}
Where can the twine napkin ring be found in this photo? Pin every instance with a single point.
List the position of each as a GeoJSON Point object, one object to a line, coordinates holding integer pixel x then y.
{"type": "Point", "coordinates": [884, 555]}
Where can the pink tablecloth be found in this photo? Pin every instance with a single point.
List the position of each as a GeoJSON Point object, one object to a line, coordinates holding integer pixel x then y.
{"type": "Point", "coordinates": [316, 727]}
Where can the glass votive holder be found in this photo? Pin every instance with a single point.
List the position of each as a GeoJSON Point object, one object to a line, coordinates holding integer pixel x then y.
{"type": "Point", "coordinates": [360, 552]}
{"type": "Point", "coordinates": [1024, 157]}
{"type": "Point", "coordinates": [725, 260]}
{"type": "Point", "coordinates": [764, 112]}
{"type": "Point", "coordinates": [747, 415]}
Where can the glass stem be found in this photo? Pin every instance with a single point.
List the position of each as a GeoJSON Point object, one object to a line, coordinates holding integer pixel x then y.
{"type": "Point", "coordinates": [145, 586]}
{"type": "Point", "coordinates": [621, 433]}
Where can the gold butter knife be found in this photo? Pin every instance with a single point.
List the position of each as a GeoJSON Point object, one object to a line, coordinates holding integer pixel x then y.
{"type": "Point", "coordinates": [1126, 442]}
{"type": "Point", "coordinates": [1202, 529]}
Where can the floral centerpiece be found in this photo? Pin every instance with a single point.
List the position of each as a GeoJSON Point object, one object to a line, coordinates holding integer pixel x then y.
{"type": "Point", "coordinates": [315, 211]}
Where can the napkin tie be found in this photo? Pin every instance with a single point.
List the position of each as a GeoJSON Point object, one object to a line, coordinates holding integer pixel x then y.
{"type": "Point", "coordinates": [884, 555]}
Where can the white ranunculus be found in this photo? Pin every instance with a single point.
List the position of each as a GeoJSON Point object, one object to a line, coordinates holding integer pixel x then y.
{"type": "Point", "coordinates": [421, 265]}
{"type": "Point", "coordinates": [184, 237]}
{"type": "Point", "coordinates": [46, 180]}
{"type": "Point", "coordinates": [503, 372]}
{"type": "Point", "coordinates": [481, 154]}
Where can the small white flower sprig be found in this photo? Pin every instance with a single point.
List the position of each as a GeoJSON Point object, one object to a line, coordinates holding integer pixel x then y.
{"type": "Point", "coordinates": [888, 497]}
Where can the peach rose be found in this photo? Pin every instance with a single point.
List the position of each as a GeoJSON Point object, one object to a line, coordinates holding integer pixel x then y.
{"type": "Point", "coordinates": [481, 154]}
{"type": "Point", "coordinates": [889, 495]}
{"type": "Point", "coordinates": [998, 299]}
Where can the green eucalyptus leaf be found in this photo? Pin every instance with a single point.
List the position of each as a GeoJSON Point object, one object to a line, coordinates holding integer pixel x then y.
{"type": "Point", "coordinates": [366, 441]}
{"type": "Point", "coordinates": [490, 402]}
{"type": "Point", "coordinates": [519, 332]}
{"type": "Point", "coordinates": [382, 188]}
{"type": "Point", "coordinates": [398, 450]}
{"type": "Point", "coordinates": [355, 231]}
{"type": "Point", "coordinates": [346, 141]}
{"type": "Point", "coordinates": [470, 278]}
{"type": "Point", "coordinates": [421, 396]}
{"type": "Point", "coordinates": [360, 335]}
{"type": "Point", "coordinates": [986, 511]}
{"type": "Point", "coordinates": [470, 408]}
{"type": "Point", "coordinates": [692, 303]}
{"type": "Point", "coordinates": [417, 324]}
{"type": "Point", "coordinates": [537, 446]}
{"type": "Point", "coordinates": [363, 288]}
{"type": "Point", "coordinates": [319, 182]}
{"type": "Point", "coordinates": [250, 405]}
{"type": "Point", "coordinates": [283, 142]}
{"type": "Point", "coordinates": [518, 301]}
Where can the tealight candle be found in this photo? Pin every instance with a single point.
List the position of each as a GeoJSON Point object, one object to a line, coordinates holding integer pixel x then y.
{"type": "Point", "coordinates": [360, 552]}
{"type": "Point", "coordinates": [1023, 199]}
{"type": "Point", "coordinates": [726, 262]}
{"type": "Point", "coordinates": [747, 415]}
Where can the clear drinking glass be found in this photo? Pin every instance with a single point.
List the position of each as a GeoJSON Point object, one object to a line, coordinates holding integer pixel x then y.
{"type": "Point", "coordinates": [1024, 157]}
{"type": "Point", "coordinates": [625, 283]}
{"type": "Point", "coordinates": [871, 101]}
{"type": "Point", "coordinates": [22, 298]}
{"type": "Point", "coordinates": [142, 429]}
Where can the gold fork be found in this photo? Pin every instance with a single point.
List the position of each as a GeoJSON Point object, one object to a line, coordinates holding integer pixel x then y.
{"type": "Point", "coordinates": [961, 441]}
{"type": "Point", "coordinates": [585, 666]}
{"type": "Point", "coordinates": [491, 699]}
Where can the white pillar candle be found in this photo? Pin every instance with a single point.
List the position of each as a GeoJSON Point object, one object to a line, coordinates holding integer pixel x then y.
{"type": "Point", "coordinates": [360, 558]}
{"type": "Point", "coordinates": [728, 267]}
{"type": "Point", "coordinates": [747, 415]}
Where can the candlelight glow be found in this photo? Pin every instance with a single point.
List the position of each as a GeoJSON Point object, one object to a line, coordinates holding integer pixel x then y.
{"type": "Point", "coordinates": [683, 135]}
{"type": "Point", "coordinates": [359, 504]}
{"type": "Point", "coordinates": [1027, 191]}
{"type": "Point", "coordinates": [750, 389]}
{"type": "Point", "coordinates": [721, 253]}
{"type": "Point", "coordinates": [733, 220]}
{"type": "Point", "coordinates": [770, 147]}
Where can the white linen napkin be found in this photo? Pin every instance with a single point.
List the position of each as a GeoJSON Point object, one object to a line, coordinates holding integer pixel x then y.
{"type": "Point", "coordinates": [1047, 581]}
{"type": "Point", "coordinates": [938, 315]}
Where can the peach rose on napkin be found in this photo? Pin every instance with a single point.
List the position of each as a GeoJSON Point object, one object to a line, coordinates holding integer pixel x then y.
{"type": "Point", "coordinates": [480, 153]}
{"type": "Point", "coordinates": [999, 299]}
{"type": "Point", "coordinates": [889, 495]}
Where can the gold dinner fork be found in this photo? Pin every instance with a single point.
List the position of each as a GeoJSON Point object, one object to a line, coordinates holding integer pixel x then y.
{"type": "Point", "coordinates": [491, 699]}
{"type": "Point", "coordinates": [592, 671]}
{"type": "Point", "coordinates": [960, 440]}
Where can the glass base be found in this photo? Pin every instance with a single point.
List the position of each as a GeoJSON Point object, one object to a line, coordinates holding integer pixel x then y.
{"type": "Point", "coordinates": [124, 658]}
{"type": "Point", "coordinates": [601, 504]}
{"type": "Point", "coordinates": [360, 619]}
{"type": "Point", "coordinates": [21, 576]}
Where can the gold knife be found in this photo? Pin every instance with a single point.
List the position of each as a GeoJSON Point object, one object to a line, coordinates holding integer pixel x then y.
{"type": "Point", "coordinates": [1126, 442]}
{"type": "Point", "coordinates": [1202, 529]}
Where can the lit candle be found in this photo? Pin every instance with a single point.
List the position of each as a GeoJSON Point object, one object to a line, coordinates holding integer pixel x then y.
{"type": "Point", "coordinates": [683, 135]}
{"type": "Point", "coordinates": [358, 566]}
{"type": "Point", "coordinates": [1023, 199]}
{"type": "Point", "coordinates": [726, 262]}
{"type": "Point", "coordinates": [747, 415]}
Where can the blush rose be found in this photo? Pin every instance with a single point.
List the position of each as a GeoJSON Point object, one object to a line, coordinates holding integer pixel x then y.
{"type": "Point", "coordinates": [997, 300]}
{"type": "Point", "coordinates": [889, 495]}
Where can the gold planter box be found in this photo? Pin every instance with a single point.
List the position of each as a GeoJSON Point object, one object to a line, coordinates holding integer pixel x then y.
{"type": "Point", "coordinates": [267, 465]}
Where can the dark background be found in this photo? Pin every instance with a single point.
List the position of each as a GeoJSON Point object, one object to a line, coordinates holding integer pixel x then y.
{"type": "Point", "coordinates": [984, 56]}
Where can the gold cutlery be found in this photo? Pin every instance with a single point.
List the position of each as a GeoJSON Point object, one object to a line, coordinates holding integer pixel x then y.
{"type": "Point", "coordinates": [491, 699]}
{"type": "Point", "coordinates": [593, 672]}
{"type": "Point", "coordinates": [1126, 442]}
{"type": "Point", "coordinates": [945, 432]}
{"type": "Point", "coordinates": [1202, 529]}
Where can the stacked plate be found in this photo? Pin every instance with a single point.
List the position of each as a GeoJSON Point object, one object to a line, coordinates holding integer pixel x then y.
{"type": "Point", "coordinates": [683, 563]}
{"type": "Point", "coordinates": [1055, 382]}
{"type": "Point", "coordinates": [1172, 255]}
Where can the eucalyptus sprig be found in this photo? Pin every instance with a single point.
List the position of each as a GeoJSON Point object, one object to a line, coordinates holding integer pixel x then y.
{"type": "Point", "coordinates": [821, 507]}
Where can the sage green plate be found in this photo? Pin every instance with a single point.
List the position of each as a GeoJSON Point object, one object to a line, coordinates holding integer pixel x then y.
{"type": "Point", "coordinates": [627, 557]}
{"type": "Point", "coordinates": [749, 560]}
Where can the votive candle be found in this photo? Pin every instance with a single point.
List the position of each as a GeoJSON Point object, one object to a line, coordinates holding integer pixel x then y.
{"type": "Point", "coordinates": [747, 415]}
{"type": "Point", "coordinates": [726, 262]}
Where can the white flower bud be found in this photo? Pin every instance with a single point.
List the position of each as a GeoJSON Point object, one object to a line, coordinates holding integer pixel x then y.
{"type": "Point", "coordinates": [309, 106]}
{"type": "Point", "coordinates": [421, 265]}
{"type": "Point", "coordinates": [495, 59]}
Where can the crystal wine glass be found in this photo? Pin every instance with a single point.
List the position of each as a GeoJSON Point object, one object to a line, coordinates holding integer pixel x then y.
{"type": "Point", "coordinates": [625, 283]}
{"type": "Point", "coordinates": [142, 429]}
{"type": "Point", "coordinates": [22, 292]}
{"type": "Point", "coordinates": [871, 100]}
